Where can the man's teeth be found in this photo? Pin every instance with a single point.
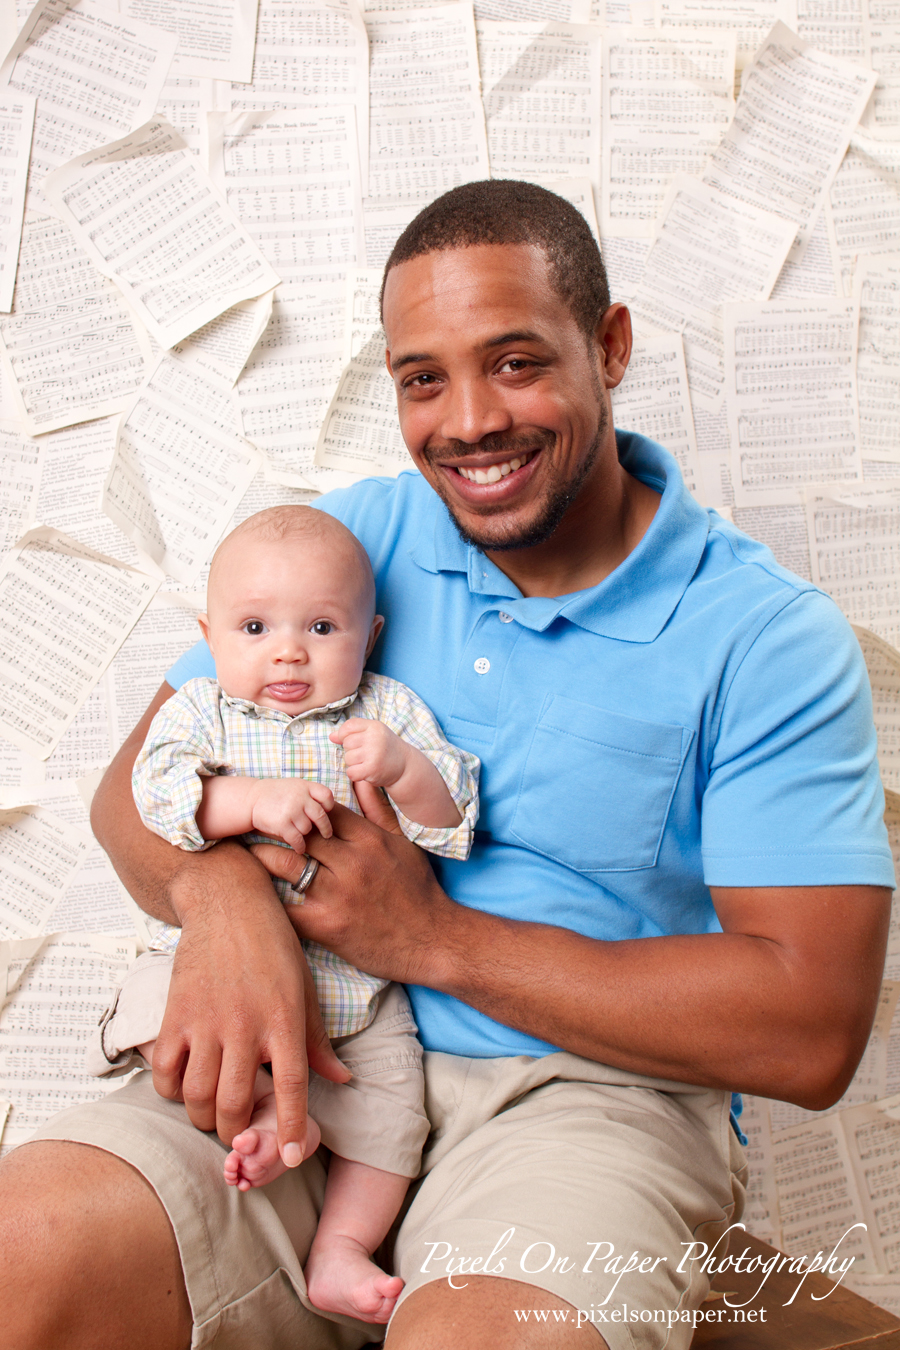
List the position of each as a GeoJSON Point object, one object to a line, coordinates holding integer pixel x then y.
{"type": "Point", "coordinates": [496, 471]}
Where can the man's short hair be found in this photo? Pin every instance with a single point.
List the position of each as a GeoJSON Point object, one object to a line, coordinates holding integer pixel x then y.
{"type": "Point", "coordinates": [507, 211]}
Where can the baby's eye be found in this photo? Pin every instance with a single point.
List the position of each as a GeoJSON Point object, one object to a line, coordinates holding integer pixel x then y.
{"type": "Point", "coordinates": [253, 627]}
{"type": "Point", "coordinates": [322, 628]}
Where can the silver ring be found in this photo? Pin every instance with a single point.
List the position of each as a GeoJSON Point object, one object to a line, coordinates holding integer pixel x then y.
{"type": "Point", "coordinates": [306, 876]}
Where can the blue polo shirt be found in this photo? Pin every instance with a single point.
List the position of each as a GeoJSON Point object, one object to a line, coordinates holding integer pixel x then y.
{"type": "Point", "coordinates": [700, 718]}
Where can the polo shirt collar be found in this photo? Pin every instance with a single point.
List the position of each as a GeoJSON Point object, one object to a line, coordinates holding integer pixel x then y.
{"type": "Point", "coordinates": [634, 603]}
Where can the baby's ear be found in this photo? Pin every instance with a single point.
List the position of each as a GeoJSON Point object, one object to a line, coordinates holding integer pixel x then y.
{"type": "Point", "coordinates": [203, 620]}
{"type": "Point", "coordinates": [377, 625]}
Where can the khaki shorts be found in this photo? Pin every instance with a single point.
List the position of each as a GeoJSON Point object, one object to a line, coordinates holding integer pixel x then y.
{"type": "Point", "coordinates": [557, 1172]}
{"type": "Point", "coordinates": [377, 1118]}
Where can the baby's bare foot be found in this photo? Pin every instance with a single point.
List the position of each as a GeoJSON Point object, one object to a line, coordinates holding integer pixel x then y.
{"type": "Point", "coordinates": [254, 1159]}
{"type": "Point", "coordinates": [341, 1277]}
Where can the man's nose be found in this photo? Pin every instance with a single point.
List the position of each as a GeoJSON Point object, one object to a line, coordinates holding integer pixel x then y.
{"type": "Point", "coordinates": [472, 410]}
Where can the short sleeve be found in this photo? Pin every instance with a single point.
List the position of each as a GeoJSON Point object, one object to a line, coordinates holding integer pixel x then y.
{"type": "Point", "coordinates": [793, 796]}
{"type": "Point", "coordinates": [194, 664]}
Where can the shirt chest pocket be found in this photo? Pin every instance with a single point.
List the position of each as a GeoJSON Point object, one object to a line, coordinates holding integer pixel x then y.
{"type": "Point", "coordinates": [596, 786]}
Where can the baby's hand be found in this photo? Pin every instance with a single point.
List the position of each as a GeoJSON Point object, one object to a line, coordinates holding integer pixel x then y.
{"type": "Point", "coordinates": [288, 808]}
{"type": "Point", "coordinates": [372, 753]}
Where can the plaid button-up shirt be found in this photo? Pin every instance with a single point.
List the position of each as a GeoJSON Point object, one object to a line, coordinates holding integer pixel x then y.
{"type": "Point", "coordinates": [202, 731]}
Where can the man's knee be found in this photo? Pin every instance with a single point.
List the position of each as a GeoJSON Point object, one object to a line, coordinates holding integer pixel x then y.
{"type": "Point", "coordinates": [505, 1314]}
{"type": "Point", "coordinates": [87, 1248]}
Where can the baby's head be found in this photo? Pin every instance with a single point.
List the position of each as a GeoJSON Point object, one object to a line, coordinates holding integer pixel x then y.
{"type": "Point", "coordinates": [290, 610]}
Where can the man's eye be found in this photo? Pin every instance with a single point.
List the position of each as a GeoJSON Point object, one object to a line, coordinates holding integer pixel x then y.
{"type": "Point", "coordinates": [515, 363]}
{"type": "Point", "coordinates": [322, 628]}
{"type": "Point", "coordinates": [254, 627]}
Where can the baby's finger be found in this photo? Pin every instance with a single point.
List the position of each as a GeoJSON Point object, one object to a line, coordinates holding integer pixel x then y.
{"type": "Point", "coordinates": [321, 794]}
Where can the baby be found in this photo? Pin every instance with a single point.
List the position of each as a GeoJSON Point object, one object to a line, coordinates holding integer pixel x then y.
{"type": "Point", "coordinates": [292, 721]}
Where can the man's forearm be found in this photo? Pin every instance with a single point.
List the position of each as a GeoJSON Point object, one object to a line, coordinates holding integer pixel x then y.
{"type": "Point", "coordinates": [727, 1010]}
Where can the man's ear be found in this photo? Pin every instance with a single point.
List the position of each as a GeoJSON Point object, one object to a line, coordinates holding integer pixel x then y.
{"type": "Point", "coordinates": [613, 342]}
{"type": "Point", "coordinates": [377, 625]}
{"type": "Point", "coordinates": [203, 620]}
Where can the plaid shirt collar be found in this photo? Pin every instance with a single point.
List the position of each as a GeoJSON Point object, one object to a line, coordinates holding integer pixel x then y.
{"type": "Point", "coordinates": [330, 712]}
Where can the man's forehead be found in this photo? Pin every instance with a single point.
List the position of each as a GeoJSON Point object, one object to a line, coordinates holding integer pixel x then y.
{"type": "Point", "coordinates": [481, 285]}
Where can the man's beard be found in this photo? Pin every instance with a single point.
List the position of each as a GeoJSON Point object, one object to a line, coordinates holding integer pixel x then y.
{"type": "Point", "coordinates": [560, 497]}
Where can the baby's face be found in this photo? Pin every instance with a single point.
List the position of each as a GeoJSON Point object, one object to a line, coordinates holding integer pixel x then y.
{"type": "Point", "coordinates": [289, 622]}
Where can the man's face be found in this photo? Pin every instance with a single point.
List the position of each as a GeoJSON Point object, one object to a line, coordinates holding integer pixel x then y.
{"type": "Point", "coordinates": [502, 402]}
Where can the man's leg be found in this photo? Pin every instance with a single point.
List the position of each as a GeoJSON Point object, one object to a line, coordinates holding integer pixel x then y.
{"type": "Point", "coordinates": [89, 1257]}
{"type": "Point", "coordinates": [437, 1317]}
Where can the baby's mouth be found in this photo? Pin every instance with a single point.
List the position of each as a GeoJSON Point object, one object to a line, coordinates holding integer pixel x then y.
{"type": "Point", "coordinates": [288, 689]}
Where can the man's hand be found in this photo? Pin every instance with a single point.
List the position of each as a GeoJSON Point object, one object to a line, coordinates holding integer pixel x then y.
{"type": "Point", "coordinates": [241, 991]}
{"type": "Point", "coordinates": [242, 995]}
{"type": "Point", "coordinates": [374, 900]}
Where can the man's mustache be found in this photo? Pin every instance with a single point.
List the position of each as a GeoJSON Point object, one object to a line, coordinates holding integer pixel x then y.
{"type": "Point", "coordinates": [492, 444]}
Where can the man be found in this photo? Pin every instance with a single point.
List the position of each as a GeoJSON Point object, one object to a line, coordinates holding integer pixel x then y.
{"type": "Point", "coordinates": [680, 864]}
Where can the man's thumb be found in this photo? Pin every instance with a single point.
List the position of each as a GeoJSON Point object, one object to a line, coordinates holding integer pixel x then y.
{"type": "Point", "coordinates": [376, 807]}
{"type": "Point", "coordinates": [280, 862]}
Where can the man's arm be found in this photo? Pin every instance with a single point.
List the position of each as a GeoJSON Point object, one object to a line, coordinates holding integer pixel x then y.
{"type": "Point", "coordinates": [241, 992]}
{"type": "Point", "coordinates": [779, 1004]}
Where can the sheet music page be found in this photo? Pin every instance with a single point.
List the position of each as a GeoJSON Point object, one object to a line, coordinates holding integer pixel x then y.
{"type": "Point", "coordinates": [426, 119]}
{"type": "Point", "coordinates": [185, 103]}
{"type": "Point", "coordinates": [708, 249]}
{"type": "Point", "coordinates": [95, 75]}
{"type": "Point", "coordinates": [39, 856]}
{"type": "Point", "coordinates": [362, 319]}
{"type": "Point", "coordinates": [816, 273]}
{"type": "Point", "coordinates": [16, 124]}
{"type": "Point", "coordinates": [86, 745]}
{"type": "Point", "coordinates": [792, 124]}
{"type": "Point", "coordinates": [151, 220]}
{"type": "Point", "coordinates": [540, 86]}
{"type": "Point", "coordinates": [165, 630]}
{"type": "Point", "coordinates": [313, 57]}
{"type": "Point", "coordinates": [835, 26]}
{"type": "Point", "coordinates": [75, 463]}
{"type": "Point", "coordinates": [873, 1135]}
{"type": "Point", "coordinates": [883, 1290]}
{"type": "Point", "coordinates": [791, 396]}
{"type": "Point", "coordinates": [818, 1198]}
{"type": "Point", "coordinates": [222, 348]}
{"type": "Point", "coordinates": [883, 113]}
{"type": "Point", "coordinates": [854, 546]}
{"type": "Point", "coordinates": [783, 530]}
{"type": "Point", "coordinates": [65, 611]}
{"type": "Point", "coordinates": [95, 901]}
{"type": "Point", "coordinates": [215, 37]}
{"type": "Point", "coordinates": [180, 468]}
{"type": "Point", "coordinates": [537, 11]}
{"type": "Point", "coordinates": [71, 346]}
{"type": "Point", "coordinates": [883, 665]}
{"type": "Point", "coordinates": [749, 20]}
{"type": "Point", "coordinates": [360, 433]}
{"type": "Point", "coordinates": [864, 202]}
{"type": "Point", "coordinates": [20, 477]}
{"type": "Point", "coordinates": [309, 223]}
{"type": "Point", "coordinates": [761, 1206]}
{"type": "Point", "coordinates": [58, 987]}
{"type": "Point", "coordinates": [308, 220]}
{"type": "Point", "coordinates": [877, 290]}
{"type": "Point", "coordinates": [667, 100]}
{"type": "Point", "coordinates": [655, 400]}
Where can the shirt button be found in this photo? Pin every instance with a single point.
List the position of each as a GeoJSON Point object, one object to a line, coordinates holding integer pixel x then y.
{"type": "Point", "coordinates": [482, 665]}
{"type": "Point", "coordinates": [504, 617]}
